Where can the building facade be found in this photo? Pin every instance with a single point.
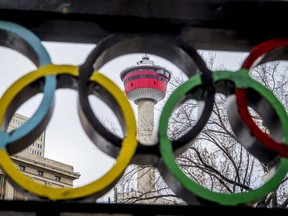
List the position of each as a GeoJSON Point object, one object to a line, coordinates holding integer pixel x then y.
{"type": "Point", "coordinates": [38, 146]}
{"type": "Point", "coordinates": [32, 163]}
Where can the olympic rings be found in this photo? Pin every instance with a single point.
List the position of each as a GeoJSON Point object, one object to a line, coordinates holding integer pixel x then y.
{"type": "Point", "coordinates": [202, 85]}
{"type": "Point", "coordinates": [128, 147]}
{"type": "Point", "coordinates": [182, 54]}
{"type": "Point", "coordinates": [18, 38]}
{"type": "Point", "coordinates": [189, 190]}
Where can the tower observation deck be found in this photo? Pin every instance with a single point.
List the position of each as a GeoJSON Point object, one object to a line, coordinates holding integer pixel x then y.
{"type": "Point", "coordinates": [145, 81]}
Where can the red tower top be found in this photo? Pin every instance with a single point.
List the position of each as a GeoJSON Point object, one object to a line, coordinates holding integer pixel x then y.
{"type": "Point", "coordinates": [145, 81]}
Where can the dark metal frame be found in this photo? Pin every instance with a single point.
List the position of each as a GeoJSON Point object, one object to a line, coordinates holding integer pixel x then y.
{"type": "Point", "coordinates": [38, 208]}
{"type": "Point", "coordinates": [230, 25]}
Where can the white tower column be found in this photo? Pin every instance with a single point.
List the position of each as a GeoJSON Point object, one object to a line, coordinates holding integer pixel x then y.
{"type": "Point", "coordinates": [146, 176]}
{"type": "Point", "coordinates": [145, 121]}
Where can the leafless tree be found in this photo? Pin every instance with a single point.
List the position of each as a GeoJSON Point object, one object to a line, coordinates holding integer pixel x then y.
{"type": "Point", "coordinates": [216, 160]}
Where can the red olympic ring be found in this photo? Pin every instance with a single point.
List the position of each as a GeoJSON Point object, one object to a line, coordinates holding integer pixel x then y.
{"type": "Point", "coordinates": [262, 53]}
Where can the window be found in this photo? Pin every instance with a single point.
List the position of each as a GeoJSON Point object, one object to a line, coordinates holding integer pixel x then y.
{"type": "Point", "coordinates": [167, 74]}
{"type": "Point", "coordinates": [160, 71]}
{"type": "Point", "coordinates": [21, 167]}
{"type": "Point", "coordinates": [40, 173]}
{"type": "Point", "coordinates": [57, 178]}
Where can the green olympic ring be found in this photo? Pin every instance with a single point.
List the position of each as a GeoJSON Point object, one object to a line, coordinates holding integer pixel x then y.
{"type": "Point", "coordinates": [184, 186]}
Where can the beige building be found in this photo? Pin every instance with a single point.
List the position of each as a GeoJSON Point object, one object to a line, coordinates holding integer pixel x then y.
{"type": "Point", "coordinates": [38, 146]}
{"type": "Point", "coordinates": [31, 162]}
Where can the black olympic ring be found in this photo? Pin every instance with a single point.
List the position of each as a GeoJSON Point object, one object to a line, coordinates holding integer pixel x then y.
{"type": "Point", "coordinates": [182, 54]}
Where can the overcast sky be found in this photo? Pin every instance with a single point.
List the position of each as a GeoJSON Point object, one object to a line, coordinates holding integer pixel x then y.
{"type": "Point", "coordinates": [64, 130]}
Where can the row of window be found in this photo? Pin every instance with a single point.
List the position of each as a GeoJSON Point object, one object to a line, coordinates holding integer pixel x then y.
{"type": "Point", "coordinates": [163, 72]}
{"type": "Point", "coordinates": [37, 145]}
{"type": "Point", "coordinates": [39, 173]}
{"type": "Point", "coordinates": [158, 71]}
{"type": "Point", "coordinates": [145, 76]}
{"type": "Point", "coordinates": [19, 123]}
{"type": "Point", "coordinates": [32, 151]}
{"type": "Point", "coordinates": [15, 121]}
{"type": "Point", "coordinates": [18, 195]}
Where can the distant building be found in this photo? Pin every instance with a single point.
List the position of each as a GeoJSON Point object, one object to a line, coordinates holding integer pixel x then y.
{"type": "Point", "coordinates": [38, 146]}
{"type": "Point", "coordinates": [31, 162]}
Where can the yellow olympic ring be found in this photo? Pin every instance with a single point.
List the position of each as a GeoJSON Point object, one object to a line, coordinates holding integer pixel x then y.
{"type": "Point", "coordinates": [98, 187]}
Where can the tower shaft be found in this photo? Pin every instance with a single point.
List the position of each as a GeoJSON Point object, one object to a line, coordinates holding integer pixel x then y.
{"type": "Point", "coordinates": [145, 121]}
{"type": "Point", "coordinates": [146, 176]}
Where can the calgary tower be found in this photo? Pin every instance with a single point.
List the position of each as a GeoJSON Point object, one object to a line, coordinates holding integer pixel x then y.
{"type": "Point", "coordinates": [145, 83]}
